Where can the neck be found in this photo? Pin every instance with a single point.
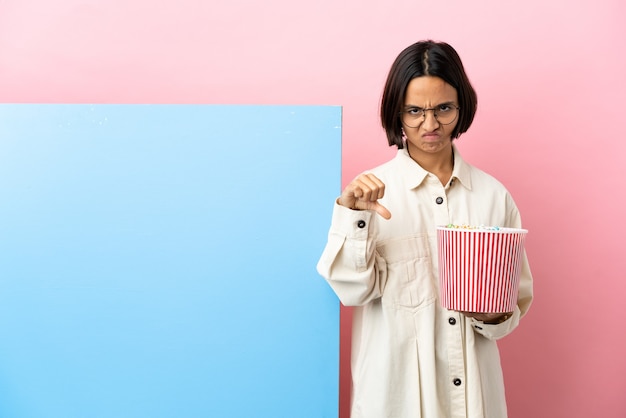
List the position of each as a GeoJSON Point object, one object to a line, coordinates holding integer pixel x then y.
{"type": "Point", "coordinates": [440, 163]}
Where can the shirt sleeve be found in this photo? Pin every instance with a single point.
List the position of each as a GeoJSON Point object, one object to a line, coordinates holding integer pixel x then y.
{"type": "Point", "coordinates": [348, 260]}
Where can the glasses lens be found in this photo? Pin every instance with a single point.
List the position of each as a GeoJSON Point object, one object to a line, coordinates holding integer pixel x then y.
{"type": "Point", "coordinates": [445, 115]}
{"type": "Point", "coordinates": [413, 118]}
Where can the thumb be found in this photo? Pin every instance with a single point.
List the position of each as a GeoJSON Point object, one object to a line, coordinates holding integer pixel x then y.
{"type": "Point", "coordinates": [382, 211]}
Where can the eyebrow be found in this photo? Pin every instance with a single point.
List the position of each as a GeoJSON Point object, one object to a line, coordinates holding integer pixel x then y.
{"type": "Point", "coordinates": [410, 106]}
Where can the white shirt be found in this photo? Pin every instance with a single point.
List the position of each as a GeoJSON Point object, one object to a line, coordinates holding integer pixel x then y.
{"type": "Point", "coordinates": [411, 358]}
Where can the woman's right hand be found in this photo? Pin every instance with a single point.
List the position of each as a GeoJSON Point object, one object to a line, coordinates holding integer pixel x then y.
{"type": "Point", "coordinates": [363, 194]}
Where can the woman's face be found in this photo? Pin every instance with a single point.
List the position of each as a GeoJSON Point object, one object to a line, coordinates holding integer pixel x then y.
{"type": "Point", "coordinates": [428, 135]}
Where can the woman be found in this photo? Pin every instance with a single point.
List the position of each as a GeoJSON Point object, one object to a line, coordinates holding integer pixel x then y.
{"type": "Point", "coordinates": [411, 357]}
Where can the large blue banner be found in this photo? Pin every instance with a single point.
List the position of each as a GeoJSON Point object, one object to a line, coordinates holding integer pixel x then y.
{"type": "Point", "coordinates": [159, 261]}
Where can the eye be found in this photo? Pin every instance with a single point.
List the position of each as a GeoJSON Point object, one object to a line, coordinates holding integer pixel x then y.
{"type": "Point", "coordinates": [445, 108]}
{"type": "Point", "coordinates": [415, 111]}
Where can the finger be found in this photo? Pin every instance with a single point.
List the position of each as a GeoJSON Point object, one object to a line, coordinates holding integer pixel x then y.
{"type": "Point", "coordinates": [356, 189]}
{"type": "Point", "coordinates": [382, 211]}
{"type": "Point", "coordinates": [378, 184]}
{"type": "Point", "coordinates": [371, 186]}
{"type": "Point", "coordinates": [365, 190]}
{"type": "Point", "coordinates": [354, 192]}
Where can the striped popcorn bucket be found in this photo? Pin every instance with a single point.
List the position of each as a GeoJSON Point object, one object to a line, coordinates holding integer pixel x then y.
{"type": "Point", "coordinates": [479, 268]}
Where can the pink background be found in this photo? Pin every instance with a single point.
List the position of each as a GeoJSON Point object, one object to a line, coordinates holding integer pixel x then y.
{"type": "Point", "coordinates": [549, 77]}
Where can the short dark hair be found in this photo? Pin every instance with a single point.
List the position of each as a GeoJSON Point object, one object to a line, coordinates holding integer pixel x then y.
{"type": "Point", "coordinates": [425, 58]}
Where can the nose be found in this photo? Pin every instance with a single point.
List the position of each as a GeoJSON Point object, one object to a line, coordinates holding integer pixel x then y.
{"type": "Point", "coordinates": [430, 121]}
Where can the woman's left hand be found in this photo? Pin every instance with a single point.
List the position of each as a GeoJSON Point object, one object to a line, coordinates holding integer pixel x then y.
{"type": "Point", "coordinates": [489, 318]}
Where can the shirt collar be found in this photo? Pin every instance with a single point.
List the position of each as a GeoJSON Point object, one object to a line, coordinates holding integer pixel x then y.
{"type": "Point", "coordinates": [415, 174]}
{"type": "Point", "coordinates": [461, 170]}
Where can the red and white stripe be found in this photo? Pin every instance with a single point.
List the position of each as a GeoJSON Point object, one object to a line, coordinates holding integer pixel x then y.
{"type": "Point", "coordinates": [479, 269]}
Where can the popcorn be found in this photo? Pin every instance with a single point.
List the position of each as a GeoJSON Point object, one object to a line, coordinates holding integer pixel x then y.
{"type": "Point", "coordinates": [480, 227]}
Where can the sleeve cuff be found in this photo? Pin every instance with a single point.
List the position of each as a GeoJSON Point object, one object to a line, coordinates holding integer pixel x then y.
{"type": "Point", "coordinates": [497, 331]}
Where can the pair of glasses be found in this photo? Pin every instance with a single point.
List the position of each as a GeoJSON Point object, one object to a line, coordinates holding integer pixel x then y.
{"type": "Point", "coordinates": [444, 113]}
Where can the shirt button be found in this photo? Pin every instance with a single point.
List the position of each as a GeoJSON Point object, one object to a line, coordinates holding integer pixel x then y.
{"type": "Point", "coordinates": [439, 200]}
{"type": "Point", "coordinates": [361, 224]}
{"type": "Point", "coordinates": [457, 382]}
{"type": "Point", "coordinates": [452, 321]}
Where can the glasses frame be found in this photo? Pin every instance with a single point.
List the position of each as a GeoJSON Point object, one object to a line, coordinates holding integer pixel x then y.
{"type": "Point", "coordinates": [434, 109]}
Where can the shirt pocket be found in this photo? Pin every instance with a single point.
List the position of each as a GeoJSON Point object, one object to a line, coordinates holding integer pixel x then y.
{"type": "Point", "coordinates": [410, 280]}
